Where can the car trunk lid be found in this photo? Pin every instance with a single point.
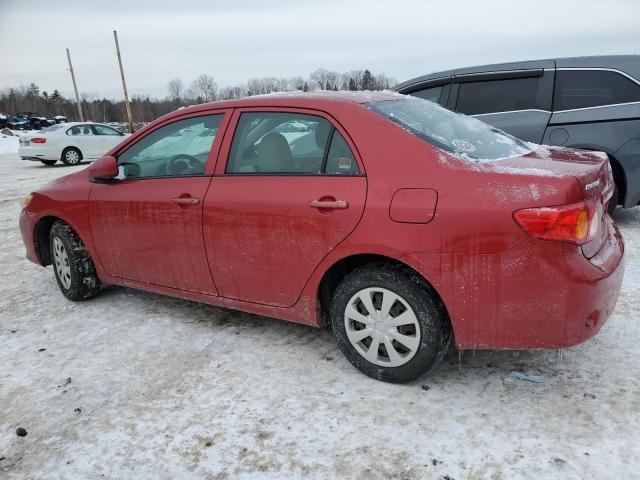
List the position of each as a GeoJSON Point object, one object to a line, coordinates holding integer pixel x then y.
{"type": "Point", "coordinates": [590, 169]}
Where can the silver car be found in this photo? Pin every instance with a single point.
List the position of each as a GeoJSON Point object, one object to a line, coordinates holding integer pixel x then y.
{"type": "Point", "coordinates": [592, 103]}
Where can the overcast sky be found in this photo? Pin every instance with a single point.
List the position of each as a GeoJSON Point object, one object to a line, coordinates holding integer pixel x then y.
{"type": "Point", "coordinates": [238, 40]}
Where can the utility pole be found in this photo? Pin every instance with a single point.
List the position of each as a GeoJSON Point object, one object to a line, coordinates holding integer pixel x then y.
{"type": "Point", "coordinates": [75, 87]}
{"type": "Point", "coordinates": [124, 84]}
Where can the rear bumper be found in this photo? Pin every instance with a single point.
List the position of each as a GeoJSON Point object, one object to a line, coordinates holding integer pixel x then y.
{"type": "Point", "coordinates": [35, 154]}
{"type": "Point", "coordinates": [538, 295]}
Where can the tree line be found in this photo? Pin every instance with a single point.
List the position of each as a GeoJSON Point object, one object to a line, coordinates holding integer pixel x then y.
{"type": "Point", "coordinates": [204, 88]}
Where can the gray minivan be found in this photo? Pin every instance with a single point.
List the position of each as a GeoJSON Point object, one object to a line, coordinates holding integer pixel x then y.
{"type": "Point", "coordinates": [591, 103]}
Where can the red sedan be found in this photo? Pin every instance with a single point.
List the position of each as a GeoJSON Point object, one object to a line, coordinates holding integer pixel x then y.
{"type": "Point", "coordinates": [399, 223]}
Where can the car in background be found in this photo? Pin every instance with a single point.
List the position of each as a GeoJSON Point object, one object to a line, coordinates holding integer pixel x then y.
{"type": "Point", "coordinates": [590, 103]}
{"type": "Point", "coordinates": [405, 226]}
{"type": "Point", "coordinates": [69, 142]}
{"type": "Point", "coordinates": [17, 122]}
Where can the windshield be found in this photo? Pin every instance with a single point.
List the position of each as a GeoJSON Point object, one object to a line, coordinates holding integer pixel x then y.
{"type": "Point", "coordinates": [52, 128]}
{"type": "Point", "coordinates": [452, 132]}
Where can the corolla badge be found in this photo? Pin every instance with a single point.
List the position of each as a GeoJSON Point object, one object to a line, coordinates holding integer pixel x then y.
{"type": "Point", "coordinates": [463, 145]}
{"type": "Point", "coordinates": [592, 185]}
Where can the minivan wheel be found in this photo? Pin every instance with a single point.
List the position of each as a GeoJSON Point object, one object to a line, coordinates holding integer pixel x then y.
{"type": "Point", "coordinates": [72, 264]}
{"type": "Point", "coordinates": [71, 156]}
{"type": "Point", "coordinates": [389, 323]}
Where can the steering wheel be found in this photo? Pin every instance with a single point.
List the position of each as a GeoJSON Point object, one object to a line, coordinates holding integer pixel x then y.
{"type": "Point", "coordinates": [192, 164]}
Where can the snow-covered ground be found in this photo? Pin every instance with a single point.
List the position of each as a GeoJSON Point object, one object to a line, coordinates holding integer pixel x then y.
{"type": "Point", "coordinates": [8, 143]}
{"type": "Point", "coordinates": [137, 385]}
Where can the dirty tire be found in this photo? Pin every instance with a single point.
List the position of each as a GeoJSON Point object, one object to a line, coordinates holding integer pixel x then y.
{"type": "Point", "coordinates": [71, 156]}
{"type": "Point", "coordinates": [83, 282]}
{"type": "Point", "coordinates": [49, 162]}
{"type": "Point", "coordinates": [435, 328]}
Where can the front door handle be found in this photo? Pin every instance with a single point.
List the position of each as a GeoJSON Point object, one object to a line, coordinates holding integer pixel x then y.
{"type": "Point", "coordinates": [329, 204]}
{"type": "Point", "coordinates": [186, 200]}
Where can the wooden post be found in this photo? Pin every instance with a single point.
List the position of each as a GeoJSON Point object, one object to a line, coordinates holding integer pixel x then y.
{"type": "Point", "coordinates": [124, 84]}
{"type": "Point", "coordinates": [75, 87]}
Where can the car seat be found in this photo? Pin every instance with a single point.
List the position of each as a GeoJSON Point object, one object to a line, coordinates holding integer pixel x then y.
{"type": "Point", "coordinates": [274, 154]}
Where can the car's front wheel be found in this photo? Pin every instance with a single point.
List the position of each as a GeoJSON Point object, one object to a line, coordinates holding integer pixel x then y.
{"type": "Point", "coordinates": [389, 323]}
{"type": "Point", "coordinates": [49, 162]}
{"type": "Point", "coordinates": [72, 264]}
{"type": "Point", "coordinates": [71, 156]}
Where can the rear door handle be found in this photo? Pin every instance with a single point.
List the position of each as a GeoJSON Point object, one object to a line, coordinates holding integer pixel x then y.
{"type": "Point", "coordinates": [329, 204]}
{"type": "Point", "coordinates": [186, 200]}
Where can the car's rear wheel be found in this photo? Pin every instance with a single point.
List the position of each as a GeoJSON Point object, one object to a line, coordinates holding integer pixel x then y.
{"type": "Point", "coordinates": [71, 156]}
{"type": "Point", "coordinates": [72, 264]}
{"type": "Point", "coordinates": [389, 323]}
{"type": "Point", "coordinates": [49, 162]}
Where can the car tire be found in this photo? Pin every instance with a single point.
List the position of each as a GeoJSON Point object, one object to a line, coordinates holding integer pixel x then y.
{"type": "Point", "coordinates": [393, 291]}
{"type": "Point", "coordinates": [71, 156]}
{"type": "Point", "coordinates": [72, 265]}
{"type": "Point", "coordinates": [613, 201]}
{"type": "Point", "coordinates": [49, 162]}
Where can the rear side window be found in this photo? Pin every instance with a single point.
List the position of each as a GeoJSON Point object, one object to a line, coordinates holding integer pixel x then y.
{"type": "Point", "coordinates": [432, 94]}
{"type": "Point", "coordinates": [102, 130]}
{"type": "Point", "coordinates": [497, 95]}
{"type": "Point", "coordinates": [340, 159]}
{"type": "Point", "coordinates": [288, 143]}
{"type": "Point", "coordinates": [592, 88]}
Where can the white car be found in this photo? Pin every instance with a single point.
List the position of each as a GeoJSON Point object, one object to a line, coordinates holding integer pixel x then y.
{"type": "Point", "coordinates": [69, 142]}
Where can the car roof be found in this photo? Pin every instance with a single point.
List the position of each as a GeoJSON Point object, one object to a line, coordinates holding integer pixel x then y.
{"type": "Point", "coordinates": [317, 99]}
{"type": "Point", "coordinates": [73, 124]}
{"type": "Point", "coordinates": [629, 64]}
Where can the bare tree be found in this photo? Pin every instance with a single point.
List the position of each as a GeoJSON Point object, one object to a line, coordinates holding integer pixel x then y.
{"type": "Point", "coordinates": [204, 88]}
{"type": "Point", "coordinates": [325, 79]}
{"type": "Point", "coordinates": [176, 89]}
{"type": "Point", "coordinates": [297, 83]}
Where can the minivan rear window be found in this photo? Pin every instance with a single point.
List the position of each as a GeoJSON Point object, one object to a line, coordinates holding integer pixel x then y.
{"type": "Point", "coordinates": [452, 132]}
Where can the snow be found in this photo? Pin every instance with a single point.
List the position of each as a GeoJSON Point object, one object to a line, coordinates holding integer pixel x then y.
{"type": "Point", "coordinates": [8, 144]}
{"type": "Point", "coordinates": [173, 389]}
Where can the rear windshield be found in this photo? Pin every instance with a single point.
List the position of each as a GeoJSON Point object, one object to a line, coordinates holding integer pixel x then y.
{"type": "Point", "coordinates": [53, 127]}
{"type": "Point", "coordinates": [452, 132]}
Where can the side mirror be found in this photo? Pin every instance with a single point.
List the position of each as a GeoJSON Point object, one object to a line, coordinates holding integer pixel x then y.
{"type": "Point", "coordinates": [103, 168]}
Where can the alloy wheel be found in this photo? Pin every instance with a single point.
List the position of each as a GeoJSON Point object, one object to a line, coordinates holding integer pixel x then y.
{"type": "Point", "coordinates": [382, 327]}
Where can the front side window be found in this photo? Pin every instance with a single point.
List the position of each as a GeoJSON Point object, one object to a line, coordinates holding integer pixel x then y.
{"type": "Point", "coordinates": [80, 130]}
{"type": "Point", "coordinates": [592, 88]}
{"type": "Point", "coordinates": [452, 132]}
{"type": "Point", "coordinates": [288, 143]}
{"type": "Point", "coordinates": [493, 96]}
{"type": "Point", "coordinates": [432, 94]}
{"type": "Point", "coordinates": [102, 130]}
{"type": "Point", "coordinates": [178, 149]}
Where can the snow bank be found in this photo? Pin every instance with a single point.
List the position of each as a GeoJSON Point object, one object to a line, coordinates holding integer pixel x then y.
{"type": "Point", "coordinates": [8, 144]}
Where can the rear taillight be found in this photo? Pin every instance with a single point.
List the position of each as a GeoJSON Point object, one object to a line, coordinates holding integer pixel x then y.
{"type": "Point", "coordinates": [38, 140]}
{"type": "Point", "coordinates": [577, 223]}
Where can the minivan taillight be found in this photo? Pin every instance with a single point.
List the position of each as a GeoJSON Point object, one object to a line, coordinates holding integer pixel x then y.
{"type": "Point", "coordinates": [577, 223]}
{"type": "Point", "coordinates": [38, 140]}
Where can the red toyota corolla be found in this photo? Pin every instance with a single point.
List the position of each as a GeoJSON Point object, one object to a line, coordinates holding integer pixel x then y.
{"type": "Point", "coordinates": [399, 223]}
